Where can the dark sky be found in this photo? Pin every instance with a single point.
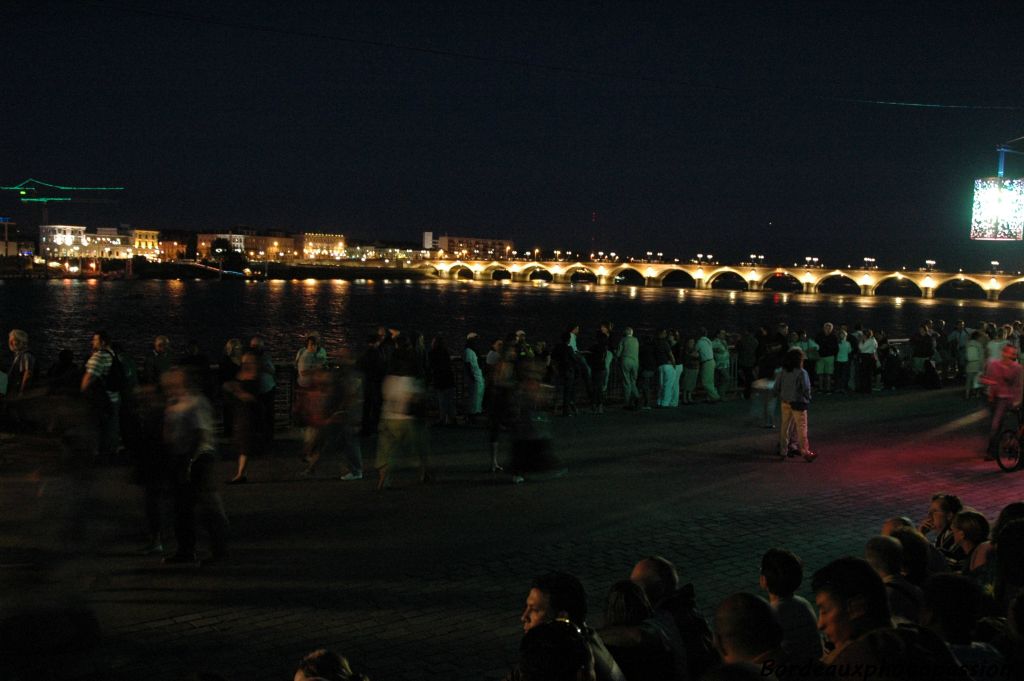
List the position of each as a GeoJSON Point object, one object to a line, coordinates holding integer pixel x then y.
{"type": "Point", "coordinates": [689, 127]}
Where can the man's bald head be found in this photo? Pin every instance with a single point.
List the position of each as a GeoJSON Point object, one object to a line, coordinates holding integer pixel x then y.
{"type": "Point", "coordinates": [657, 576]}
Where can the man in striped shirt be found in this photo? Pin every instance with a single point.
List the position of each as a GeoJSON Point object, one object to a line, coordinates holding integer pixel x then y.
{"type": "Point", "coordinates": [106, 403]}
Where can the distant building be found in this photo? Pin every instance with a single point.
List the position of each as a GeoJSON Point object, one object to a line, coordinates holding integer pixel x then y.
{"type": "Point", "coordinates": [319, 245]}
{"type": "Point", "coordinates": [177, 245]}
{"type": "Point", "coordinates": [106, 242]}
{"type": "Point", "coordinates": [276, 247]}
{"type": "Point", "coordinates": [9, 232]}
{"type": "Point", "coordinates": [236, 239]}
{"type": "Point", "coordinates": [61, 241]}
{"type": "Point", "coordinates": [146, 242]}
{"type": "Point", "coordinates": [471, 247]}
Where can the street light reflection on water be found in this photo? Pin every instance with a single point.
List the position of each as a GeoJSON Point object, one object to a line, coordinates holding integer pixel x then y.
{"type": "Point", "coordinates": [212, 311]}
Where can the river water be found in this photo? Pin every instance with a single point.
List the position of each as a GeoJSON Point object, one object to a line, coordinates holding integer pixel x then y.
{"type": "Point", "coordinates": [64, 313]}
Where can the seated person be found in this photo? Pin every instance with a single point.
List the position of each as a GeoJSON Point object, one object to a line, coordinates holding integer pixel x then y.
{"type": "Point", "coordinates": [748, 630]}
{"type": "Point", "coordinates": [560, 596]}
{"type": "Point", "coordinates": [650, 657]}
{"type": "Point", "coordinates": [781, 574]}
{"type": "Point", "coordinates": [885, 555]}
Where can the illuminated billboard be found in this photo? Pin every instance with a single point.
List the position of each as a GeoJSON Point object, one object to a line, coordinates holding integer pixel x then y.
{"type": "Point", "coordinates": [998, 209]}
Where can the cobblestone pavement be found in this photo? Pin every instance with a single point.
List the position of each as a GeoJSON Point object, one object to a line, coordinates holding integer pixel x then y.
{"type": "Point", "coordinates": [428, 581]}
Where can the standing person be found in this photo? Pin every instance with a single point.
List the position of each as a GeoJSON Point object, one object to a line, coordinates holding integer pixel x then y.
{"type": "Point", "coordinates": [628, 354]}
{"type": "Point", "coordinates": [720, 350]}
{"type": "Point", "coordinates": [793, 388]}
{"type": "Point", "coordinates": [267, 386]}
{"type": "Point", "coordinates": [746, 358]}
{"type": "Point", "coordinates": [598, 371]}
{"type": "Point", "coordinates": [308, 362]}
{"type": "Point", "coordinates": [689, 365]}
{"type": "Point", "coordinates": [648, 369]}
{"type": "Point", "coordinates": [157, 361]}
{"type": "Point", "coordinates": [828, 348]}
{"type": "Point", "coordinates": [867, 357]}
{"type": "Point", "coordinates": [563, 357]}
{"type": "Point", "coordinates": [310, 358]}
{"type": "Point", "coordinates": [666, 362]}
{"type": "Point", "coordinates": [248, 436]}
{"type": "Point", "coordinates": [843, 353]}
{"type": "Point", "coordinates": [372, 366]}
{"type": "Point", "coordinates": [101, 383]}
{"type": "Point", "coordinates": [443, 379]}
{"type": "Point", "coordinates": [227, 370]}
{"type": "Point", "coordinates": [22, 371]}
{"type": "Point", "coordinates": [974, 355]}
{"type": "Point", "coordinates": [957, 344]}
{"type": "Point", "coordinates": [1005, 381]}
{"type": "Point", "coordinates": [500, 399]}
{"type": "Point", "coordinates": [188, 441]}
{"type": "Point", "coordinates": [474, 378]}
{"type": "Point", "coordinates": [707, 366]}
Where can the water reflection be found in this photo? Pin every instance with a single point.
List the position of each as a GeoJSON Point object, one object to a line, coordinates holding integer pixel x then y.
{"type": "Point", "coordinates": [63, 313]}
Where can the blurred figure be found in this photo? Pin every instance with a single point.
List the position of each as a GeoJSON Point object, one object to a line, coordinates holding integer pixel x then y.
{"type": "Point", "coordinates": [188, 441]}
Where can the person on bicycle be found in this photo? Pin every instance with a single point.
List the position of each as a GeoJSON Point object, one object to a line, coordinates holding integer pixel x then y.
{"type": "Point", "coordinates": [1005, 381]}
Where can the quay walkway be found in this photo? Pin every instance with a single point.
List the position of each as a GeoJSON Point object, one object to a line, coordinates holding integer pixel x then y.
{"type": "Point", "coordinates": [428, 581]}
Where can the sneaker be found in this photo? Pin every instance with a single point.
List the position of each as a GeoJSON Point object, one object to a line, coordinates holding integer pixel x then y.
{"type": "Point", "coordinates": [352, 476]}
{"type": "Point", "coordinates": [810, 456]}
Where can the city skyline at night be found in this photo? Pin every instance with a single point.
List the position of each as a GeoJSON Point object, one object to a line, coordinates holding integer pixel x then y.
{"type": "Point", "coordinates": [842, 130]}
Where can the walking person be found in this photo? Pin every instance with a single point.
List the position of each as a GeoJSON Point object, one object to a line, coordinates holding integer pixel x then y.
{"type": "Point", "coordinates": [793, 389]}
{"type": "Point", "coordinates": [189, 443]}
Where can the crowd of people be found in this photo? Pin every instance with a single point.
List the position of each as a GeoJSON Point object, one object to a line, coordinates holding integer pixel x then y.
{"type": "Point", "coordinates": [909, 604]}
{"type": "Point", "coordinates": [939, 599]}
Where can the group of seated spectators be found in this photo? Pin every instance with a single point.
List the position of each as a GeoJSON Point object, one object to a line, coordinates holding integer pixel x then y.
{"type": "Point", "coordinates": [936, 600]}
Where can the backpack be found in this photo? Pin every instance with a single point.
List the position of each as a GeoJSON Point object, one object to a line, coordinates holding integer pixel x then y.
{"type": "Point", "coordinates": [115, 381]}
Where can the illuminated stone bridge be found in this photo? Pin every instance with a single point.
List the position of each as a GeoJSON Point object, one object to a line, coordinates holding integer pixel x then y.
{"type": "Point", "coordinates": [703, 276]}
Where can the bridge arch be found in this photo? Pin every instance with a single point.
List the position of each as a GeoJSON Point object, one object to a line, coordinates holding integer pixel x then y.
{"type": "Point", "coordinates": [577, 272]}
{"type": "Point", "coordinates": [961, 287]}
{"type": "Point", "coordinates": [495, 271]}
{"type": "Point", "coordinates": [675, 277]}
{"type": "Point", "coordinates": [1013, 290]}
{"type": "Point", "coordinates": [836, 282]}
{"type": "Point", "coordinates": [783, 281]}
{"type": "Point", "coordinates": [461, 270]}
{"type": "Point", "coordinates": [903, 280]}
{"type": "Point", "coordinates": [629, 273]}
{"type": "Point", "coordinates": [728, 278]}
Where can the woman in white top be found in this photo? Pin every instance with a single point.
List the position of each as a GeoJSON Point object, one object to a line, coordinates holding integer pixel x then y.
{"type": "Point", "coordinates": [867, 361]}
{"type": "Point", "coordinates": [994, 348]}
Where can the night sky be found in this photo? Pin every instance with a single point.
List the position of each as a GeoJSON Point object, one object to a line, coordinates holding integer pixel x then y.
{"type": "Point", "coordinates": [722, 127]}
